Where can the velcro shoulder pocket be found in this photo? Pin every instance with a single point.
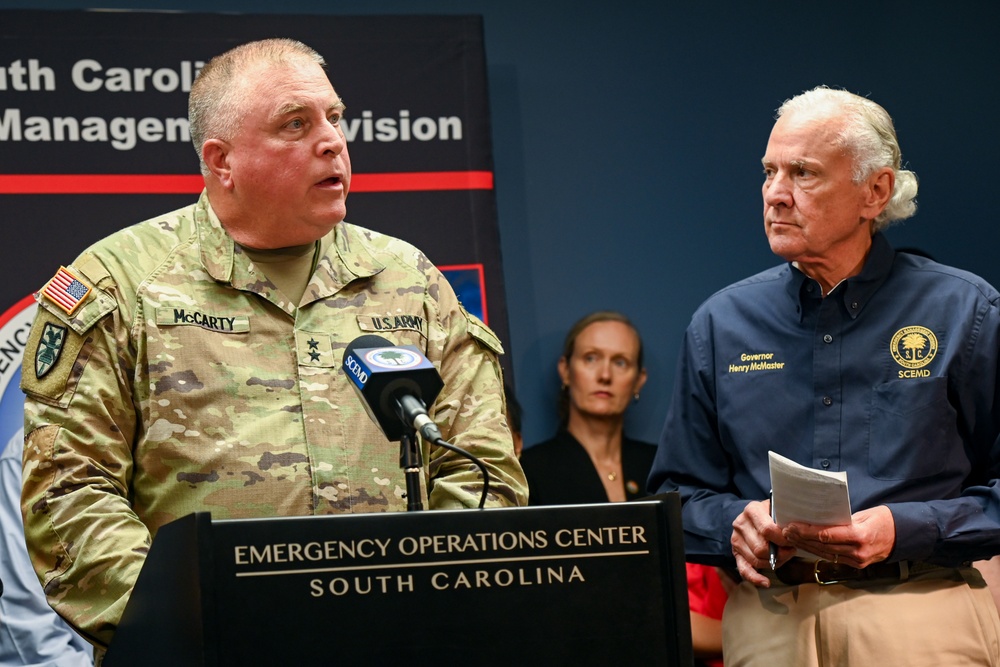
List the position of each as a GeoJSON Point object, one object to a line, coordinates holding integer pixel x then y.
{"type": "Point", "coordinates": [482, 333]}
{"type": "Point", "coordinates": [57, 342]}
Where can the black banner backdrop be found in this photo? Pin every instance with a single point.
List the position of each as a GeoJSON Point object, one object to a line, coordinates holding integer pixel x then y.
{"type": "Point", "coordinates": [94, 137]}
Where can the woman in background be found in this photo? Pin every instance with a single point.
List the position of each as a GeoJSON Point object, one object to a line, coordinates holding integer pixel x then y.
{"type": "Point", "coordinates": [590, 460]}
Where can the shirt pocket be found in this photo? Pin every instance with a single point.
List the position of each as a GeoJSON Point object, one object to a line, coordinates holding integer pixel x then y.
{"type": "Point", "coordinates": [911, 430]}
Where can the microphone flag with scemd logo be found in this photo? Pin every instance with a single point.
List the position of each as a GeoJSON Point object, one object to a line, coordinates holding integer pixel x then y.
{"type": "Point", "coordinates": [382, 373]}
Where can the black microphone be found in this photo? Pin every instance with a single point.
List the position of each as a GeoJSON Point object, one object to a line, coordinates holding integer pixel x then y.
{"type": "Point", "coordinates": [396, 383]}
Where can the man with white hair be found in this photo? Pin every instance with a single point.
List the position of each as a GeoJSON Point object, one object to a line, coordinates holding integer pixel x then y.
{"type": "Point", "coordinates": [849, 357]}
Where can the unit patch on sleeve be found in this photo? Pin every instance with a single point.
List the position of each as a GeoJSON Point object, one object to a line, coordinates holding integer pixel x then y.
{"type": "Point", "coordinates": [50, 347]}
{"type": "Point", "coordinates": [52, 350]}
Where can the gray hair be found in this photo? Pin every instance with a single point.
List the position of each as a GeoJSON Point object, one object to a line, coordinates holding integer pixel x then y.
{"type": "Point", "coordinates": [218, 101]}
{"type": "Point", "coordinates": [869, 135]}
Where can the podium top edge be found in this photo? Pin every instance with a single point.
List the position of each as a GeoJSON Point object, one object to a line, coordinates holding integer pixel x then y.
{"type": "Point", "coordinates": [601, 508]}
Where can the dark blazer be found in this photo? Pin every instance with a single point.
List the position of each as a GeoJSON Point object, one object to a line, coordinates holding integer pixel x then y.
{"type": "Point", "coordinates": [559, 471]}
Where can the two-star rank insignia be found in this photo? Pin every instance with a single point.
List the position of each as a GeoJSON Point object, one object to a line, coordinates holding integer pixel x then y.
{"type": "Point", "coordinates": [314, 349]}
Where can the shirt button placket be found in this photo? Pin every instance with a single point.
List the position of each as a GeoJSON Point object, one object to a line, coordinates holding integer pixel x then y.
{"type": "Point", "coordinates": [827, 384]}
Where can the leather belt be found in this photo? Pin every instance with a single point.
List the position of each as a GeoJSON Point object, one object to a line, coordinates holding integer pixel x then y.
{"type": "Point", "coordinates": [823, 572]}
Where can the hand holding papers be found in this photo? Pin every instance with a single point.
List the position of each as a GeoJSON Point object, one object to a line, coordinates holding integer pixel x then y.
{"type": "Point", "coordinates": [806, 495]}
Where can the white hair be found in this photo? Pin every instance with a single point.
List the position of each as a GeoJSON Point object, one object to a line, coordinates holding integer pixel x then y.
{"type": "Point", "coordinates": [869, 135]}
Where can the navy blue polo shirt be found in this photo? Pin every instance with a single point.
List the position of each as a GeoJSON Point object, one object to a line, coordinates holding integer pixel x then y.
{"type": "Point", "coordinates": [893, 377]}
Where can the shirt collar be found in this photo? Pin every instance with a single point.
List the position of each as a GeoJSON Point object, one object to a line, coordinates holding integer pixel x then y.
{"type": "Point", "coordinates": [855, 292]}
{"type": "Point", "coordinates": [858, 290]}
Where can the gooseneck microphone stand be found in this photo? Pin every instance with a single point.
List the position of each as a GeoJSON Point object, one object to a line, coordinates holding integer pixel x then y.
{"type": "Point", "coordinates": [412, 464]}
{"type": "Point", "coordinates": [412, 412]}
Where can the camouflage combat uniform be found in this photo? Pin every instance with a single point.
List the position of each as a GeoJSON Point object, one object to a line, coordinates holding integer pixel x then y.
{"type": "Point", "coordinates": [185, 381]}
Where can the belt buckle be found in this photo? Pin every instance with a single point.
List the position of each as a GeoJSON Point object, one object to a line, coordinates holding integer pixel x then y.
{"type": "Point", "coordinates": [820, 579]}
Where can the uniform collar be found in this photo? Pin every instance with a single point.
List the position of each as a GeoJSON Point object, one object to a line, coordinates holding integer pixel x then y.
{"type": "Point", "coordinates": [217, 247]}
{"type": "Point", "coordinates": [348, 257]}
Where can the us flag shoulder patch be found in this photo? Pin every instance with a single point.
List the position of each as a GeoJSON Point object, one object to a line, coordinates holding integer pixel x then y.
{"type": "Point", "coordinates": [66, 290]}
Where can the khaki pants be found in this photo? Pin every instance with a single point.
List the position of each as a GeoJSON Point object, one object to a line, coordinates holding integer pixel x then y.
{"type": "Point", "coordinates": [942, 618]}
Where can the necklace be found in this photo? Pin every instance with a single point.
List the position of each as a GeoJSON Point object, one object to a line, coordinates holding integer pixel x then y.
{"type": "Point", "coordinates": [612, 475]}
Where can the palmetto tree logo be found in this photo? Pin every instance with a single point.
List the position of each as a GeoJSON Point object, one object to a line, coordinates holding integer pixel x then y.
{"type": "Point", "coordinates": [914, 347]}
{"type": "Point", "coordinates": [392, 357]}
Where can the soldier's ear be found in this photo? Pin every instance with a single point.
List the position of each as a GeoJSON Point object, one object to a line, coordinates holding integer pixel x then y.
{"type": "Point", "coordinates": [215, 153]}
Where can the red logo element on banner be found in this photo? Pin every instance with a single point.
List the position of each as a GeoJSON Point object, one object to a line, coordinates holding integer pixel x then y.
{"type": "Point", "coordinates": [160, 184]}
{"type": "Point", "coordinates": [66, 290]}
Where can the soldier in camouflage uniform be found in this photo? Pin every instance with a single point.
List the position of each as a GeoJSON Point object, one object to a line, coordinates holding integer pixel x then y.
{"type": "Point", "coordinates": [177, 366]}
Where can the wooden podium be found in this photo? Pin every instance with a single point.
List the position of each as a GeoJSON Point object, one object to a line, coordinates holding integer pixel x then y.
{"type": "Point", "coordinates": [564, 585]}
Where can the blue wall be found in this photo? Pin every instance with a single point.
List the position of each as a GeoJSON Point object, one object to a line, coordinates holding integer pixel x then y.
{"type": "Point", "coordinates": [628, 139]}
